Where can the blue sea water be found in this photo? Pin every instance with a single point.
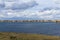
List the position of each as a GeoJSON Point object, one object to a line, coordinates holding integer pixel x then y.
{"type": "Point", "coordinates": [31, 27]}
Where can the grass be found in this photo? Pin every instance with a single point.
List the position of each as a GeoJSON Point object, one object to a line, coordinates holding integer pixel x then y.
{"type": "Point", "coordinates": [24, 36]}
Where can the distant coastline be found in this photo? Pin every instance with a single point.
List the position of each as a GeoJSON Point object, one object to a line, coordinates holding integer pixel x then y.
{"type": "Point", "coordinates": [30, 21]}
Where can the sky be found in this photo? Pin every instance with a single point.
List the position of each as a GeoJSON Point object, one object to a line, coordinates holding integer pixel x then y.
{"type": "Point", "coordinates": [29, 9]}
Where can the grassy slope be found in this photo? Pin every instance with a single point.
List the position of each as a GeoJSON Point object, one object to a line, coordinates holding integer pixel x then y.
{"type": "Point", "coordinates": [22, 36]}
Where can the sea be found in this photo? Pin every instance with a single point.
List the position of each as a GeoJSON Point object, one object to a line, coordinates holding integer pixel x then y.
{"type": "Point", "coordinates": [47, 28]}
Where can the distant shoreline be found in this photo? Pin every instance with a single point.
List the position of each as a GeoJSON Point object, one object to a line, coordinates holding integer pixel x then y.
{"type": "Point", "coordinates": [30, 21]}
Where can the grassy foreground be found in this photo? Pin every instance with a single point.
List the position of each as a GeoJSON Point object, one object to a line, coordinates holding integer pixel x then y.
{"type": "Point", "coordinates": [23, 36]}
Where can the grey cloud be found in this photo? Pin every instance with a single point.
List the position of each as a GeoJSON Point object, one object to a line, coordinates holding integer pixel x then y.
{"type": "Point", "coordinates": [49, 8]}
{"type": "Point", "coordinates": [2, 6]}
{"type": "Point", "coordinates": [23, 6]}
{"type": "Point", "coordinates": [10, 0]}
{"type": "Point", "coordinates": [18, 6]}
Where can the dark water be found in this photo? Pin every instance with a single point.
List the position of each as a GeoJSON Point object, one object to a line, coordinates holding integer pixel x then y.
{"type": "Point", "coordinates": [35, 27]}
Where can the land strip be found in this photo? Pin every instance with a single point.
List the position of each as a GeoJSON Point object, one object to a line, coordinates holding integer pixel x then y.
{"type": "Point", "coordinates": [30, 21]}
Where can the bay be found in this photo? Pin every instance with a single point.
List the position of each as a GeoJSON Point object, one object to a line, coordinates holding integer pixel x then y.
{"type": "Point", "coordinates": [48, 28]}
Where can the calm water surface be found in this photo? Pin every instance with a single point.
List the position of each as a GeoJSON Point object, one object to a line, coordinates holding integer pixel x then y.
{"type": "Point", "coordinates": [34, 27]}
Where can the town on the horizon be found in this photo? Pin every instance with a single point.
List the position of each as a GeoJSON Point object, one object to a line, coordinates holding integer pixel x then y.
{"type": "Point", "coordinates": [29, 20]}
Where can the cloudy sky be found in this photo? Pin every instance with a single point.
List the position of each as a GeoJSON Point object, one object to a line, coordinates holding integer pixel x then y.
{"type": "Point", "coordinates": [29, 9]}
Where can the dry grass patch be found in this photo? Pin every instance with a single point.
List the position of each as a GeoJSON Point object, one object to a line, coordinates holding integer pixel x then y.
{"type": "Point", "coordinates": [24, 36]}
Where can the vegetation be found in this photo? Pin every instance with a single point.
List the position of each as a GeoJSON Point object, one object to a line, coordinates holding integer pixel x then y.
{"type": "Point", "coordinates": [24, 36]}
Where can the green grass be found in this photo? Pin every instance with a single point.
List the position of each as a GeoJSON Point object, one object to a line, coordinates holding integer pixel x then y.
{"type": "Point", "coordinates": [24, 36]}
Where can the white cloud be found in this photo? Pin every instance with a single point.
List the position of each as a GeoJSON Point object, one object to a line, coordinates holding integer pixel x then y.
{"type": "Point", "coordinates": [47, 14]}
{"type": "Point", "coordinates": [52, 10]}
{"type": "Point", "coordinates": [57, 1]}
